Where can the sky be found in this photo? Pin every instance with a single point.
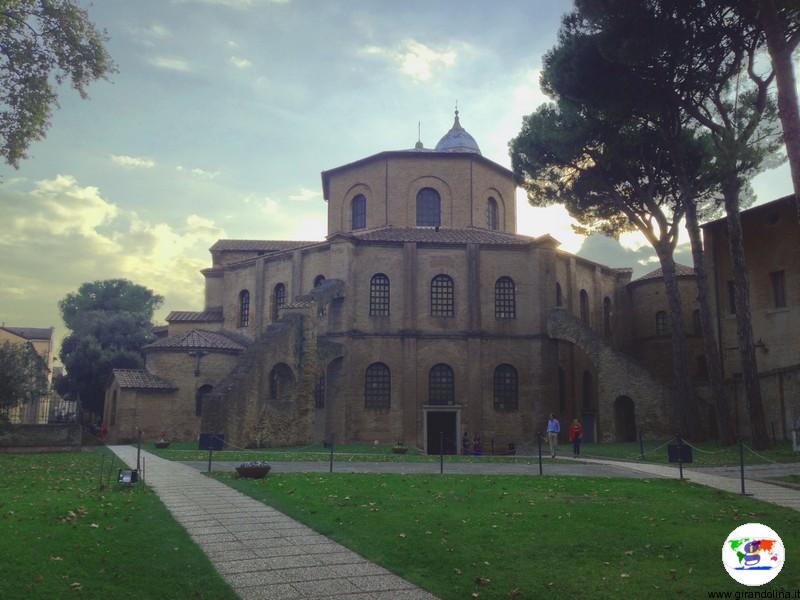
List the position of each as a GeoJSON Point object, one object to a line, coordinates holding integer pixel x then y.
{"type": "Point", "coordinates": [223, 113]}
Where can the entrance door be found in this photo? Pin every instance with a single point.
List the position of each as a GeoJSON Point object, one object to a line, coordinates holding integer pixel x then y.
{"type": "Point", "coordinates": [625, 419]}
{"type": "Point", "coordinates": [587, 420]}
{"type": "Point", "coordinates": [442, 423]}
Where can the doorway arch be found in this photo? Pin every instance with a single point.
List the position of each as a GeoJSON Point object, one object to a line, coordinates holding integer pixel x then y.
{"type": "Point", "coordinates": [624, 419]}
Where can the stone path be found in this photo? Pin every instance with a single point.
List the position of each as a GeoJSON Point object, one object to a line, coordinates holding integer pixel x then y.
{"type": "Point", "coordinates": [262, 553]}
{"type": "Point", "coordinates": [453, 468]}
{"type": "Point", "coordinates": [757, 489]}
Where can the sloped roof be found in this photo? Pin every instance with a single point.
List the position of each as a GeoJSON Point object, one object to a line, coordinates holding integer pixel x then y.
{"type": "Point", "coordinates": [444, 236]}
{"type": "Point", "coordinates": [30, 333]}
{"type": "Point", "coordinates": [203, 316]}
{"type": "Point", "coordinates": [257, 245]}
{"type": "Point", "coordinates": [680, 271]}
{"type": "Point", "coordinates": [200, 339]}
{"type": "Point", "coordinates": [141, 379]}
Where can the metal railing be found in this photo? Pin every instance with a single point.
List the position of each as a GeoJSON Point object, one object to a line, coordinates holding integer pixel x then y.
{"type": "Point", "coordinates": [51, 409]}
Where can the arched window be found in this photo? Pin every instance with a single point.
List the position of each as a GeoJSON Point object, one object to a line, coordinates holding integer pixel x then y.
{"type": "Point", "coordinates": [698, 326]}
{"type": "Point", "coordinates": [429, 210]}
{"type": "Point", "coordinates": [379, 295]}
{"type": "Point", "coordinates": [377, 386]}
{"type": "Point", "coordinates": [505, 301]}
{"type": "Point", "coordinates": [278, 300]}
{"type": "Point", "coordinates": [441, 387]}
{"type": "Point", "coordinates": [319, 392]}
{"type": "Point", "coordinates": [319, 280]}
{"type": "Point", "coordinates": [491, 214]}
{"type": "Point", "coordinates": [359, 212]}
{"type": "Point", "coordinates": [584, 299]}
{"type": "Point", "coordinates": [607, 316]}
{"type": "Point", "coordinates": [244, 308]}
{"type": "Point", "coordinates": [199, 396]}
{"type": "Point", "coordinates": [661, 323]}
{"type": "Point", "coordinates": [506, 388]}
{"type": "Point", "coordinates": [559, 296]}
{"type": "Point", "coordinates": [442, 296]}
{"type": "Point", "coordinates": [588, 392]}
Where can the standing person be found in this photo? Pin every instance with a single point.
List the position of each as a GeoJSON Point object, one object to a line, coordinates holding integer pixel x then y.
{"type": "Point", "coordinates": [476, 444]}
{"type": "Point", "coordinates": [575, 435]}
{"type": "Point", "coordinates": [465, 445]}
{"type": "Point", "coordinates": [553, 429]}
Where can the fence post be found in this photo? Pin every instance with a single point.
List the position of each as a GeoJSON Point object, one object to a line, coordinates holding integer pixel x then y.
{"type": "Point", "coordinates": [102, 469]}
{"type": "Point", "coordinates": [138, 449]}
{"type": "Point", "coordinates": [680, 455]}
{"type": "Point", "coordinates": [741, 463]}
{"type": "Point", "coordinates": [144, 462]}
{"type": "Point", "coordinates": [210, 452]}
{"type": "Point", "coordinates": [330, 465]}
{"type": "Point", "coordinates": [641, 445]}
{"type": "Point", "coordinates": [441, 453]}
{"type": "Point", "coordinates": [539, 442]}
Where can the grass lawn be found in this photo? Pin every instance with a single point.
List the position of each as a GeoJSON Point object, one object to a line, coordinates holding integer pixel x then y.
{"type": "Point", "coordinates": [529, 537]}
{"type": "Point", "coordinates": [62, 538]}
{"type": "Point", "coordinates": [342, 453]}
{"type": "Point", "coordinates": [710, 454]}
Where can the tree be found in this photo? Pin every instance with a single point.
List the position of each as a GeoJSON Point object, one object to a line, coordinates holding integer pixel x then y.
{"type": "Point", "coordinates": [43, 42]}
{"type": "Point", "coordinates": [608, 171]}
{"type": "Point", "coordinates": [110, 321]}
{"type": "Point", "coordinates": [23, 375]}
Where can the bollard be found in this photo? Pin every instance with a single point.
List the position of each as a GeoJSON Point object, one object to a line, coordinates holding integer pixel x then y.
{"type": "Point", "coordinates": [680, 456]}
{"type": "Point", "coordinates": [741, 464]}
{"type": "Point", "coordinates": [441, 453]}
{"type": "Point", "coordinates": [210, 452]}
{"type": "Point", "coordinates": [641, 445]}
{"type": "Point", "coordinates": [330, 463]}
{"type": "Point", "coordinates": [539, 442]}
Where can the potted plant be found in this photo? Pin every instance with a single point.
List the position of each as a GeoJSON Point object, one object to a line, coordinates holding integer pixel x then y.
{"type": "Point", "coordinates": [399, 448]}
{"type": "Point", "coordinates": [256, 469]}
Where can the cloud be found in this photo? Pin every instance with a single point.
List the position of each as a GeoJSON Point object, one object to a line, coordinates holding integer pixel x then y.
{"type": "Point", "coordinates": [132, 162]}
{"type": "Point", "coordinates": [240, 63]}
{"type": "Point", "coordinates": [304, 195]}
{"type": "Point", "coordinates": [170, 63]}
{"type": "Point", "coordinates": [415, 59]}
{"type": "Point", "coordinates": [197, 172]}
{"type": "Point", "coordinates": [148, 36]}
{"type": "Point", "coordinates": [237, 4]}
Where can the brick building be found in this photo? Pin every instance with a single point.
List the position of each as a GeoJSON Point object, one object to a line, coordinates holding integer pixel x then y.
{"type": "Point", "coordinates": [422, 314]}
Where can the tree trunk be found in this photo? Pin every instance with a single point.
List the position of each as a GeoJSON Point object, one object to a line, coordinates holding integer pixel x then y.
{"type": "Point", "coordinates": [744, 325]}
{"type": "Point", "coordinates": [781, 55]}
{"type": "Point", "coordinates": [684, 408]}
{"type": "Point", "coordinates": [726, 428]}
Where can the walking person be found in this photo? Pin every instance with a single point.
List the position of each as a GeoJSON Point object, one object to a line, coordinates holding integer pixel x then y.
{"type": "Point", "coordinates": [553, 429]}
{"type": "Point", "coordinates": [575, 435]}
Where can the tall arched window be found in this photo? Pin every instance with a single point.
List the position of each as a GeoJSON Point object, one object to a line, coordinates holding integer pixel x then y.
{"type": "Point", "coordinates": [661, 323]}
{"type": "Point", "coordinates": [506, 388]}
{"type": "Point", "coordinates": [505, 301]}
{"type": "Point", "coordinates": [607, 316]}
{"type": "Point", "coordinates": [278, 300]}
{"type": "Point", "coordinates": [559, 296]}
{"type": "Point", "coordinates": [318, 280]}
{"type": "Point", "coordinates": [244, 308]}
{"type": "Point", "coordinates": [491, 214]}
{"type": "Point", "coordinates": [319, 392]}
{"type": "Point", "coordinates": [441, 386]}
{"type": "Point", "coordinates": [429, 209]}
{"type": "Point", "coordinates": [359, 212]}
{"type": "Point", "coordinates": [379, 295]}
{"type": "Point", "coordinates": [199, 398]}
{"type": "Point", "coordinates": [442, 296]}
{"type": "Point", "coordinates": [377, 386]}
{"type": "Point", "coordinates": [584, 298]}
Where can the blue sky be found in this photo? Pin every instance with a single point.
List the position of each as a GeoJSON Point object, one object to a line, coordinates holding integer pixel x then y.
{"type": "Point", "coordinates": [223, 114]}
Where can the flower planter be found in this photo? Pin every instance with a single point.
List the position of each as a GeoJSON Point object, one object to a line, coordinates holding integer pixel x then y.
{"type": "Point", "coordinates": [253, 471]}
{"type": "Point", "coordinates": [399, 449]}
{"type": "Point", "coordinates": [162, 445]}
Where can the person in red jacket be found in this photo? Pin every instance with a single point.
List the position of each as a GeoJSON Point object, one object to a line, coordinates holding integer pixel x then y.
{"type": "Point", "coordinates": [575, 435]}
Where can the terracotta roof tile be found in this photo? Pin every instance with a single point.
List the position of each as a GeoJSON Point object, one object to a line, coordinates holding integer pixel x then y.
{"type": "Point", "coordinates": [257, 245]}
{"type": "Point", "coordinates": [203, 316]}
{"type": "Point", "coordinates": [30, 333]}
{"type": "Point", "coordinates": [141, 379]}
{"type": "Point", "coordinates": [200, 339]}
{"type": "Point", "coordinates": [680, 271]}
{"type": "Point", "coordinates": [444, 236]}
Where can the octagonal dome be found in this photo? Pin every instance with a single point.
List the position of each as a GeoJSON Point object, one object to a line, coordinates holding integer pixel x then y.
{"type": "Point", "coordinates": [457, 140]}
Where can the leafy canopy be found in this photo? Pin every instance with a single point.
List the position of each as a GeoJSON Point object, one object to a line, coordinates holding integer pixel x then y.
{"type": "Point", "coordinates": [42, 43]}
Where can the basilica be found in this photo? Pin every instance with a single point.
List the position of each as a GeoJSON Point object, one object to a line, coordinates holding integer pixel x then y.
{"type": "Point", "coordinates": [423, 316]}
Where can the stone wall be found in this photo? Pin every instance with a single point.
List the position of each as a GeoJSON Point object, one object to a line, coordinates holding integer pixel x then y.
{"type": "Point", "coordinates": [40, 438]}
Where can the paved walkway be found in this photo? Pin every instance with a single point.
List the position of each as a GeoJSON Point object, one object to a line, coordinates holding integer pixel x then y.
{"type": "Point", "coordinates": [453, 468]}
{"type": "Point", "coordinates": [262, 553]}
{"type": "Point", "coordinates": [759, 490]}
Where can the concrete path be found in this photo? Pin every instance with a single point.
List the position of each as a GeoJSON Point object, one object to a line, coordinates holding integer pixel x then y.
{"type": "Point", "coordinates": [757, 489]}
{"type": "Point", "coordinates": [454, 468]}
{"type": "Point", "coordinates": [262, 553]}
